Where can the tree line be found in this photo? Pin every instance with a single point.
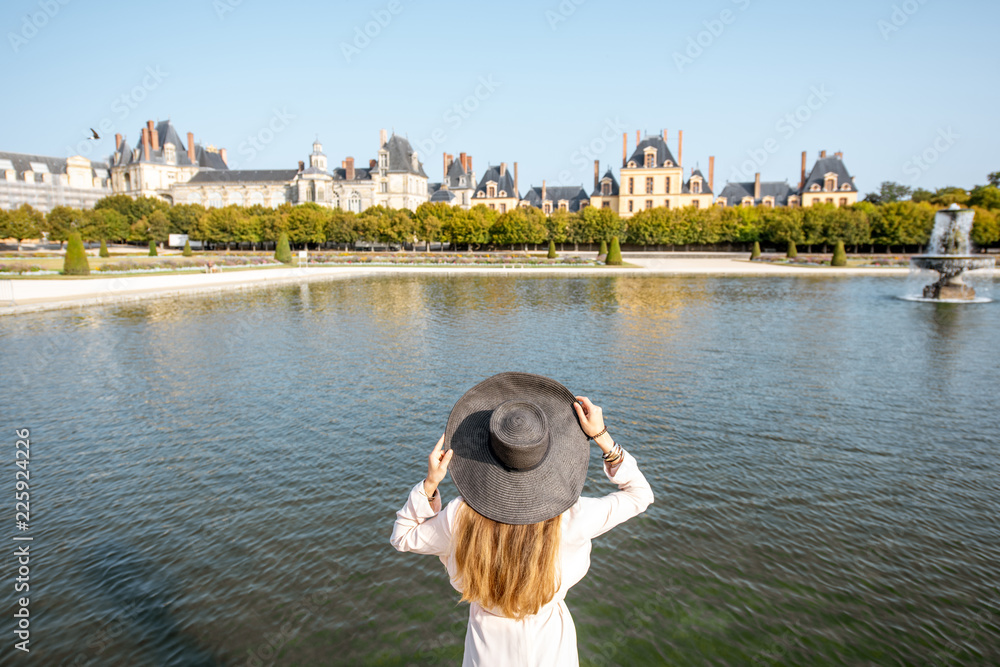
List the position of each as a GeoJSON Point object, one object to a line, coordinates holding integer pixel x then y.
{"type": "Point", "coordinates": [887, 223]}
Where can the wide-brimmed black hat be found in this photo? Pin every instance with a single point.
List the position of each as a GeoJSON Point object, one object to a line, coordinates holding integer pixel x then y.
{"type": "Point", "coordinates": [520, 454]}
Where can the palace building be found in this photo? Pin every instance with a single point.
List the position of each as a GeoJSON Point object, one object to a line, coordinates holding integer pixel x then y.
{"type": "Point", "coordinates": [561, 198]}
{"type": "Point", "coordinates": [498, 190]}
{"type": "Point", "coordinates": [46, 182]}
{"type": "Point", "coordinates": [828, 183]}
{"type": "Point", "coordinates": [459, 185]}
{"type": "Point", "coordinates": [651, 178]}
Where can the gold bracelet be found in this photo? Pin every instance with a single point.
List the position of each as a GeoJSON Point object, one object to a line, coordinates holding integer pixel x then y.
{"type": "Point", "coordinates": [594, 437]}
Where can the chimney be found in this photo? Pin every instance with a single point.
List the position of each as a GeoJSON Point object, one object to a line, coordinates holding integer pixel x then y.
{"type": "Point", "coordinates": [462, 157]}
{"type": "Point", "coordinates": [118, 142]}
{"type": "Point", "coordinates": [145, 143]}
{"type": "Point", "coordinates": [822, 154]}
{"type": "Point", "coordinates": [468, 168]}
{"type": "Point", "coordinates": [302, 166]}
{"type": "Point", "coordinates": [545, 192]}
{"type": "Point", "coordinates": [756, 187]}
{"type": "Point", "coordinates": [638, 138]}
{"type": "Point", "coordinates": [517, 191]}
{"type": "Point", "coordinates": [349, 169]}
{"type": "Point", "coordinates": [680, 148]}
{"type": "Point", "coordinates": [503, 169]}
{"type": "Point", "coordinates": [155, 140]}
{"type": "Point", "coordinates": [222, 154]}
{"type": "Point", "coordinates": [664, 136]}
{"type": "Point", "coordinates": [343, 164]}
{"type": "Point", "coordinates": [840, 155]}
{"type": "Point", "coordinates": [150, 130]}
{"type": "Point", "coordinates": [372, 164]}
{"type": "Point", "coordinates": [383, 138]}
{"type": "Point", "coordinates": [597, 175]}
{"type": "Point", "coordinates": [447, 163]}
{"type": "Point", "coordinates": [711, 173]}
{"type": "Point", "coordinates": [802, 182]}
{"type": "Point", "coordinates": [624, 149]}
{"type": "Point", "coordinates": [191, 147]}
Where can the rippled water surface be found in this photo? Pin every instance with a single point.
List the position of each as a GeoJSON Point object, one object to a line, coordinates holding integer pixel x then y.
{"type": "Point", "coordinates": [214, 479]}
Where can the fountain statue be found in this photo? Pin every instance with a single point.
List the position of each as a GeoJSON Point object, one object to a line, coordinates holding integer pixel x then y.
{"type": "Point", "coordinates": [951, 256]}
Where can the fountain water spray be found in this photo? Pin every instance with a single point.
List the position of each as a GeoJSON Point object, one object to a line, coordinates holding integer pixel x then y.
{"type": "Point", "coordinates": [951, 256]}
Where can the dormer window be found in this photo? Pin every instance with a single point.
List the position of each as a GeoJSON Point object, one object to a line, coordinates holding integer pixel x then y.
{"type": "Point", "coordinates": [747, 201]}
{"type": "Point", "coordinates": [169, 154]}
{"type": "Point", "coordinates": [547, 208]}
{"type": "Point", "coordinates": [461, 181]}
{"type": "Point", "coordinates": [503, 193]}
{"type": "Point", "coordinates": [632, 164]}
{"type": "Point", "coordinates": [768, 202]}
{"type": "Point", "coordinates": [668, 163]}
{"type": "Point", "coordinates": [814, 187]}
{"type": "Point", "coordinates": [650, 161]}
{"type": "Point", "coordinates": [830, 182]}
{"type": "Point", "coordinates": [383, 161]}
{"type": "Point", "coordinates": [606, 189]}
{"type": "Point", "coordinates": [563, 206]}
{"type": "Point", "coordinates": [491, 191]}
{"type": "Point", "coordinates": [696, 187]}
{"type": "Point", "coordinates": [845, 187]}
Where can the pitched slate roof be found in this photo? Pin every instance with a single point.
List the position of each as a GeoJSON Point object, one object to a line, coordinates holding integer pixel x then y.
{"type": "Point", "coordinates": [573, 194]}
{"type": "Point", "coordinates": [615, 190]}
{"type": "Point", "coordinates": [456, 172]}
{"type": "Point", "coordinates": [734, 193]}
{"type": "Point", "coordinates": [21, 162]}
{"type": "Point", "coordinates": [401, 157]}
{"type": "Point", "coordinates": [360, 174]}
{"type": "Point", "coordinates": [446, 196]}
{"type": "Point", "coordinates": [166, 134]}
{"type": "Point", "coordinates": [245, 176]}
{"type": "Point", "coordinates": [662, 152]}
{"type": "Point", "coordinates": [825, 165]}
{"type": "Point", "coordinates": [706, 189]}
{"type": "Point", "coordinates": [505, 184]}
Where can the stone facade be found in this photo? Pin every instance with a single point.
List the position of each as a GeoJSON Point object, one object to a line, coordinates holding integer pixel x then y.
{"type": "Point", "coordinates": [459, 184]}
{"type": "Point", "coordinates": [498, 190]}
{"type": "Point", "coordinates": [651, 178]}
{"type": "Point", "coordinates": [46, 182]}
{"type": "Point", "coordinates": [828, 183]}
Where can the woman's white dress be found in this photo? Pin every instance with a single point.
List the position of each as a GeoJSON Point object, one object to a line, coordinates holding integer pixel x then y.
{"type": "Point", "coordinates": [547, 638]}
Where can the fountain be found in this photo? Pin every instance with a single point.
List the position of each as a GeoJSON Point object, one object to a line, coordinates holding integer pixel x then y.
{"type": "Point", "coordinates": [951, 256]}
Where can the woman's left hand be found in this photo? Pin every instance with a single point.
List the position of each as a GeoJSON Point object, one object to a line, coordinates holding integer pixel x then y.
{"type": "Point", "coordinates": [437, 467]}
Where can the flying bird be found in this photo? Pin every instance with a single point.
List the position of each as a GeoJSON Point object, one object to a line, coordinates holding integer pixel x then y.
{"type": "Point", "coordinates": [94, 132]}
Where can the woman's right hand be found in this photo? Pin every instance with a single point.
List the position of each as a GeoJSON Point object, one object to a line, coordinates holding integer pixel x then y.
{"type": "Point", "coordinates": [591, 416]}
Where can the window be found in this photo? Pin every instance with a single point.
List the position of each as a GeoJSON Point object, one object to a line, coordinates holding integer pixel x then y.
{"type": "Point", "coordinates": [383, 161]}
{"type": "Point", "coordinates": [666, 203]}
{"type": "Point", "coordinates": [563, 206]}
{"type": "Point", "coordinates": [649, 204]}
{"type": "Point", "coordinates": [214, 199]}
{"type": "Point", "coordinates": [491, 191]}
{"type": "Point", "coordinates": [696, 187]}
{"type": "Point", "coordinates": [650, 160]}
{"type": "Point", "coordinates": [668, 185]}
{"type": "Point", "coordinates": [829, 200]}
{"type": "Point", "coordinates": [503, 208]}
{"type": "Point", "coordinates": [547, 208]}
{"type": "Point", "coordinates": [649, 185]}
{"type": "Point", "coordinates": [503, 193]}
{"type": "Point", "coordinates": [606, 204]}
{"type": "Point", "coordinates": [845, 187]}
{"type": "Point", "coordinates": [768, 202]}
{"type": "Point", "coordinates": [630, 205]}
{"type": "Point", "coordinates": [383, 187]}
{"type": "Point", "coordinates": [843, 201]}
{"type": "Point", "coordinates": [631, 186]}
{"type": "Point", "coordinates": [830, 184]}
{"type": "Point", "coordinates": [696, 203]}
{"type": "Point", "coordinates": [256, 199]}
{"type": "Point", "coordinates": [814, 187]}
{"type": "Point", "coordinates": [584, 204]}
{"type": "Point", "coordinates": [493, 206]}
{"type": "Point", "coordinates": [606, 189]}
{"type": "Point", "coordinates": [355, 203]}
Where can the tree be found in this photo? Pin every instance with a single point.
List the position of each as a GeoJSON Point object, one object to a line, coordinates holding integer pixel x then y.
{"type": "Point", "coordinates": [103, 252]}
{"type": "Point", "coordinates": [615, 254]}
{"type": "Point", "coordinates": [755, 253]}
{"type": "Point", "coordinates": [75, 262]}
{"type": "Point", "coordinates": [604, 248]}
{"type": "Point", "coordinates": [552, 249]}
{"type": "Point", "coordinates": [945, 197]}
{"type": "Point", "coordinates": [889, 191]}
{"type": "Point", "coordinates": [187, 248]}
{"type": "Point", "coordinates": [985, 227]}
{"type": "Point", "coordinates": [186, 219]}
{"type": "Point", "coordinates": [24, 223]}
{"type": "Point", "coordinates": [152, 248]}
{"type": "Point", "coordinates": [104, 225]}
{"type": "Point", "coordinates": [133, 209]}
{"type": "Point", "coordinates": [283, 253]}
{"type": "Point", "coordinates": [793, 252]}
{"type": "Point", "coordinates": [341, 226]}
{"type": "Point", "coordinates": [985, 196]}
{"type": "Point", "coordinates": [994, 179]}
{"type": "Point", "coordinates": [839, 255]}
{"type": "Point", "coordinates": [921, 195]}
{"type": "Point", "coordinates": [60, 221]}
{"type": "Point", "coordinates": [307, 224]}
{"type": "Point", "coordinates": [228, 225]}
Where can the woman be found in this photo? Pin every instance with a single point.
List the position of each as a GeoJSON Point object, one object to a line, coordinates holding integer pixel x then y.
{"type": "Point", "coordinates": [519, 536]}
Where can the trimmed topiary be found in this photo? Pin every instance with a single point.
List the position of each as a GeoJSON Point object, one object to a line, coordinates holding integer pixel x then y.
{"type": "Point", "coordinates": [755, 253]}
{"type": "Point", "coordinates": [552, 250]}
{"type": "Point", "coordinates": [75, 263]}
{"type": "Point", "coordinates": [103, 252]}
{"type": "Point", "coordinates": [152, 248]}
{"type": "Point", "coordinates": [282, 252]}
{"type": "Point", "coordinates": [604, 248]}
{"type": "Point", "coordinates": [839, 255]}
{"type": "Point", "coordinates": [187, 249]}
{"type": "Point", "coordinates": [615, 254]}
{"type": "Point", "coordinates": [793, 252]}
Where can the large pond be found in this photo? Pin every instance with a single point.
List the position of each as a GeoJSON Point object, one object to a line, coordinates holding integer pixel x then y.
{"type": "Point", "coordinates": [214, 479]}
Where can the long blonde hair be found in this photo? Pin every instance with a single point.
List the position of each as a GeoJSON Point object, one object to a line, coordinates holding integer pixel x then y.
{"type": "Point", "coordinates": [507, 567]}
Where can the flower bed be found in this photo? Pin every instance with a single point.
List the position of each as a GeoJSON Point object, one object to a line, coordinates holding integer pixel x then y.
{"type": "Point", "coordinates": [131, 266]}
{"type": "Point", "coordinates": [435, 259]}
{"type": "Point", "coordinates": [20, 269]}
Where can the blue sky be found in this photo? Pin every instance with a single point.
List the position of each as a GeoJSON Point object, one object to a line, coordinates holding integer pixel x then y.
{"type": "Point", "coordinates": [907, 90]}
